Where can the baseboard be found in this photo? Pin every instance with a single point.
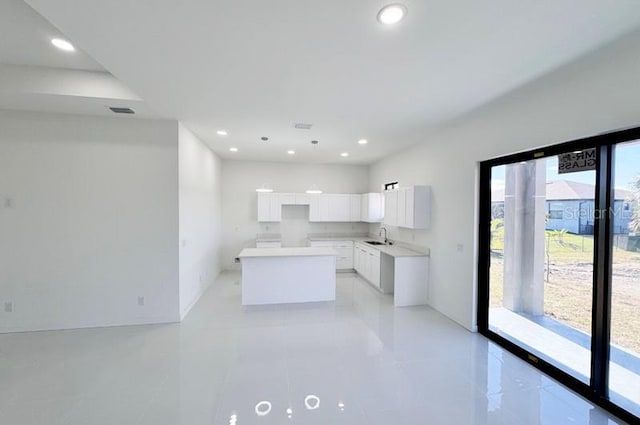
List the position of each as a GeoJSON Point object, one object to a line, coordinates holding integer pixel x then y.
{"type": "Point", "coordinates": [204, 289]}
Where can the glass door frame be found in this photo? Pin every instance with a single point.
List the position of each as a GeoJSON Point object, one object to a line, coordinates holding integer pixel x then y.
{"type": "Point", "coordinates": [597, 389]}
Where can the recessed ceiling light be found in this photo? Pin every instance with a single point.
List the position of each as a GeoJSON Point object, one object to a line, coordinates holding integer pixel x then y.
{"type": "Point", "coordinates": [63, 44]}
{"type": "Point", "coordinates": [363, 141]}
{"type": "Point", "coordinates": [233, 149]}
{"type": "Point", "coordinates": [264, 138]}
{"type": "Point", "coordinates": [392, 14]}
{"type": "Point", "coordinates": [221, 132]}
{"type": "Point", "coordinates": [344, 154]}
{"type": "Point", "coordinates": [290, 152]}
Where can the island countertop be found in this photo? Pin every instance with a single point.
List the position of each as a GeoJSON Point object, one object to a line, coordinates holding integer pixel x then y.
{"type": "Point", "coordinates": [287, 252]}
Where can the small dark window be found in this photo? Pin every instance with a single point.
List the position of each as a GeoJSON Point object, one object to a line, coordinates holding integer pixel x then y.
{"type": "Point", "coordinates": [555, 215]}
{"type": "Point", "coordinates": [391, 186]}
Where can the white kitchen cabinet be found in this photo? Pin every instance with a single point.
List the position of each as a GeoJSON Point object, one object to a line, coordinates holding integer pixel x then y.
{"type": "Point", "coordinates": [408, 207]}
{"type": "Point", "coordinates": [340, 207]}
{"type": "Point", "coordinates": [287, 198]}
{"type": "Point", "coordinates": [330, 207]}
{"type": "Point", "coordinates": [354, 207]}
{"type": "Point", "coordinates": [368, 263]}
{"type": "Point", "coordinates": [391, 207]}
{"type": "Point", "coordinates": [303, 199]}
{"type": "Point", "coordinates": [344, 250]}
{"type": "Point", "coordinates": [269, 207]}
{"type": "Point", "coordinates": [371, 207]}
{"type": "Point", "coordinates": [401, 215]}
{"type": "Point", "coordinates": [314, 208]}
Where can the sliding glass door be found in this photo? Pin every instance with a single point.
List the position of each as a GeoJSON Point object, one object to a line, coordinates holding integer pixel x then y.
{"type": "Point", "coordinates": [624, 362]}
{"type": "Point", "coordinates": [559, 265]}
{"type": "Point", "coordinates": [541, 277]}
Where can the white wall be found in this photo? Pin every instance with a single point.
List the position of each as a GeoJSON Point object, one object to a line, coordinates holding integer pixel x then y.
{"type": "Point", "coordinates": [595, 94]}
{"type": "Point", "coordinates": [88, 221]}
{"type": "Point", "coordinates": [239, 200]}
{"type": "Point", "coordinates": [200, 193]}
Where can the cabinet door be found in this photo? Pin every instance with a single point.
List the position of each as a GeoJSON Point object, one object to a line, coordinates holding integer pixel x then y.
{"type": "Point", "coordinates": [391, 207]}
{"type": "Point", "coordinates": [364, 207]}
{"type": "Point", "coordinates": [314, 208]}
{"type": "Point", "coordinates": [410, 208]}
{"type": "Point", "coordinates": [264, 203]}
{"type": "Point", "coordinates": [402, 208]}
{"type": "Point", "coordinates": [370, 266]}
{"type": "Point", "coordinates": [275, 207]}
{"type": "Point", "coordinates": [376, 207]}
{"type": "Point", "coordinates": [354, 207]}
{"type": "Point", "coordinates": [326, 202]}
{"type": "Point", "coordinates": [375, 270]}
{"type": "Point", "coordinates": [341, 208]}
{"type": "Point", "coordinates": [421, 207]}
{"type": "Point", "coordinates": [356, 258]}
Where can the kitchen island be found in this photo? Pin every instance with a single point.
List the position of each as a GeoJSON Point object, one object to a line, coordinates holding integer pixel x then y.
{"type": "Point", "coordinates": [288, 275]}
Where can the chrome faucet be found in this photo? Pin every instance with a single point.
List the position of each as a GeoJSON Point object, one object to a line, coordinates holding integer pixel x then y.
{"type": "Point", "coordinates": [385, 234]}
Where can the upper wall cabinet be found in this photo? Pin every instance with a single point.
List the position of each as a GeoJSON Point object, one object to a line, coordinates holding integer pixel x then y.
{"type": "Point", "coordinates": [269, 207]}
{"type": "Point", "coordinates": [287, 198]}
{"type": "Point", "coordinates": [334, 207]}
{"type": "Point", "coordinates": [325, 207]}
{"type": "Point", "coordinates": [294, 198]}
{"type": "Point", "coordinates": [371, 207]}
{"type": "Point", "coordinates": [408, 207]}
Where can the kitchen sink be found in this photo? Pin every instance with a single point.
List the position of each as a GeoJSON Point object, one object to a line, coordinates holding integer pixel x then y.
{"type": "Point", "coordinates": [374, 243]}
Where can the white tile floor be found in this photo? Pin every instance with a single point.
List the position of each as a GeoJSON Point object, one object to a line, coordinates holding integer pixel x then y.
{"type": "Point", "coordinates": [365, 361]}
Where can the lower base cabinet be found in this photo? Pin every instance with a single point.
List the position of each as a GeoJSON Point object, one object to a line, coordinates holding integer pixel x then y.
{"type": "Point", "coordinates": [344, 260]}
{"type": "Point", "coordinates": [367, 263]}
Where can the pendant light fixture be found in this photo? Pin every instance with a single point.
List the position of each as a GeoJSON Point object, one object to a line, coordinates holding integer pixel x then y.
{"type": "Point", "coordinates": [313, 190]}
{"type": "Point", "coordinates": [264, 188]}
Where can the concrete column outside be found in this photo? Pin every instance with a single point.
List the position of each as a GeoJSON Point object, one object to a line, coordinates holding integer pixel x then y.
{"type": "Point", "coordinates": [524, 237]}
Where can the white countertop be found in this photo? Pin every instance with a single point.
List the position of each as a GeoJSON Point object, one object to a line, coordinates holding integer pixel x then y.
{"type": "Point", "coordinates": [394, 250]}
{"type": "Point", "coordinates": [398, 251]}
{"type": "Point", "coordinates": [287, 252]}
{"type": "Point", "coordinates": [339, 237]}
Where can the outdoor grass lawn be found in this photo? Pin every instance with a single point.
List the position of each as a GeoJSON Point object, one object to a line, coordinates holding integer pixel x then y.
{"type": "Point", "coordinates": [568, 293]}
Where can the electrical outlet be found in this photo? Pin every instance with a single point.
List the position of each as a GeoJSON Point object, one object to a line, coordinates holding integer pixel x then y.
{"type": "Point", "coordinates": [8, 202]}
{"type": "Point", "coordinates": [236, 259]}
{"type": "Point", "coordinates": [413, 237]}
{"type": "Point", "coordinates": [8, 307]}
{"type": "Point", "coordinates": [266, 227]}
{"type": "Point", "coordinates": [183, 243]}
{"type": "Point", "coordinates": [459, 247]}
{"type": "Point", "coordinates": [141, 301]}
{"type": "Point", "coordinates": [200, 278]}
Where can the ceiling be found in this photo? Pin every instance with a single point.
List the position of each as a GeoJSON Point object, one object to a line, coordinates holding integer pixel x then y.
{"type": "Point", "coordinates": [254, 67]}
{"type": "Point", "coordinates": [36, 76]}
{"type": "Point", "coordinates": [25, 39]}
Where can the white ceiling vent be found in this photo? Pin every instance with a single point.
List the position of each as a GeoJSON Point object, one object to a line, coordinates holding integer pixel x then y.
{"type": "Point", "coordinates": [118, 110]}
{"type": "Point", "coordinates": [302, 126]}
